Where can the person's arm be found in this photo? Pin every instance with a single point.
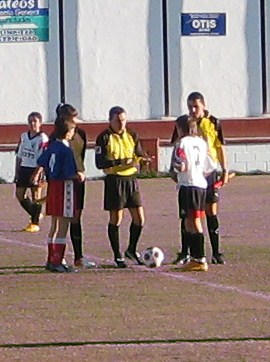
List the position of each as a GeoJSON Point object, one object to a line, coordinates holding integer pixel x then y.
{"type": "Point", "coordinates": [140, 157]}
{"type": "Point", "coordinates": [222, 156]}
{"type": "Point", "coordinates": [18, 161]}
{"type": "Point", "coordinates": [221, 153]}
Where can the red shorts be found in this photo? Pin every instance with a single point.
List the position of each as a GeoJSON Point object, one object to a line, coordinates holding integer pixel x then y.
{"type": "Point", "coordinates": [61, 199]}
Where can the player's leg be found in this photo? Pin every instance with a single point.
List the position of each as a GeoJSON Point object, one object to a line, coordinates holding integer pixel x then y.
{"type": "Point", "coordinates": [212, 198]}
{"type": "Point", "coordinates": [35, 192]}
{"type": "Point", "coordinates": [213, 231]}
{"type": "Point", "coordinates": [56, 249]}
{"type": "Point", "coordinates": [76, 234]}
{"type": "Point", "coordinates": [182, 256]}
{"type": "Point", "coordinates": [135, 231]}
{"type": "Point", "coordinates": [194, 230]}
{"type": "Point", "coordinates": [31, 207]}
{"type": "Point", "coordinates": [134, 204]}
{"type": "Point", "coordinates": [113, 234]}
{"type": "Point", "coordinates": [114, 202]}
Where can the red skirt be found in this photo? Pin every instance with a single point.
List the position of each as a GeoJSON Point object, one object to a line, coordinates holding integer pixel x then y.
{"type": "Point", "coordinates": [61, 198]}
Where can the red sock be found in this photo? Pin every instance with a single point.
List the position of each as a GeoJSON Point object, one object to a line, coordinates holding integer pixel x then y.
{"type": "Point", "coordinates": [57, 254]}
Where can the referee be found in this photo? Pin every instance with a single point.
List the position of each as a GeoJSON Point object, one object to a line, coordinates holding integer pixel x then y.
{"type": "Point", "coordinates": [119, 155]}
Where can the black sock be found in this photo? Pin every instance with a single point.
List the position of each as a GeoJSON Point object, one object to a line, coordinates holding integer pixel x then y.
{"type": "Point", "coordinates": [32, 208]}
{"type": "Point", "coordinates": [213, 230]}
{"type": "Point", "coordinates": [197, 245]}
{"type": "Point", "coordinates": [27, 204]}
{"type": "Point", "coordinates": [76, 239]}
{"type": "Point", "coordinates": [36, 213]}
{"type": "Point", "coordinates": [134, 234]}
{"type": "Point", "coordinates": [113, 233]}
{"type": "Point", "coordinates": [184, 240]}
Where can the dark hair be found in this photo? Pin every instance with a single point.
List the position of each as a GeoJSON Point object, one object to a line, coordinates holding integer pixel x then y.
{"type": "Point", "coordinates": [188, 125]}
{"type": "Point", "coordinates": [196, 95]}
{"type": "Point", "coordinates": [115, 110]}
{"type": "Point", "coordinates": [62, 127]}
{"type": "Point", "coordinates": [34, 115]}
{"type": "Point", "coordinates": [64, 110]}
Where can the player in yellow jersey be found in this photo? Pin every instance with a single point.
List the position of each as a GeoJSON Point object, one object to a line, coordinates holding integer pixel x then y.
{"type": "Point", "coordinates": [210, 129]}
{"type": "Point", "coordinates": [119, 155]}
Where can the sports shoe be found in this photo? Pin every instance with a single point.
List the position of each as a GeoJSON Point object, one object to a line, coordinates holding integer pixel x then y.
{"type": "Point", "coordinates": [84, 263]}
{"type": "Point", "coordinates": [181, 258]}
{"type": "Point", "coordinates": [58, 268]}
{"type": "Point", "coordinates": [134, 256]}
{"type": "Point", "coordinates": [195, 265]}
{"type": "Point", "coordinates": [64, 263]}
{"type": "Point", "coordinates": [218, 259]}
{"type": "Point", "coordinates": [31, 228]}
{"type": "Point", "coordinates": [120, 263]}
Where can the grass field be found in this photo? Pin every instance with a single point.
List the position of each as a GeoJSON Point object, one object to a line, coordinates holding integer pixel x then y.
{"type": "Point", "coordinates": [139, 314]}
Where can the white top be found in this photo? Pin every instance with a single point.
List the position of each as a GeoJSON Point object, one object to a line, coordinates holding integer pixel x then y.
{"type": "Point", "coordinates": [193, 151]}
{"type": "Point", "coordinates": [29, 149]}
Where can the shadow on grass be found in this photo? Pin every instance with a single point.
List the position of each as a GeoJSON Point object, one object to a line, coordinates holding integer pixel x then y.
{"type": "Point", "coordinates": [132, 342]}
{"type": "Point", "coordinates": [40, 269]}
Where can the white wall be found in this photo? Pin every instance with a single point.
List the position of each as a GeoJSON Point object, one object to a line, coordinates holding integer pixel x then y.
{"type": "Point", "coordinates": [29, 76]}
{"type": "Point", "coordinates": [226, 69]}
{"type": "Point", "coordinates": [114, 56]}
{"type": "Point", "coordinates": [267, 41]}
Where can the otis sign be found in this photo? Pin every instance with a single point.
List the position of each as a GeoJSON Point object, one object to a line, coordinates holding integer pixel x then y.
{"type": "Point", "coordinates": [203, 24]}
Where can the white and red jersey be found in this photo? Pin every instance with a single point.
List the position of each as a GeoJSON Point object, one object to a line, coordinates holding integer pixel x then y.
{"type": "Point", "coordinates": [193, 151]}
{"type": "Point", "coordinates": [30, 148]}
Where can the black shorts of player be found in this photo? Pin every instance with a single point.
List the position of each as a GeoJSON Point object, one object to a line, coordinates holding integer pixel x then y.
{"type": "Point", "coordinates": [212, 194]}
{"type": "Point", "coordinates": [191, 202]}
{"type": "Point", "coordinates": [80, 193]}
{"type": "Point", "coordinates": [121, 192]}
{"type": "Point", "coordinates": [24, 177]}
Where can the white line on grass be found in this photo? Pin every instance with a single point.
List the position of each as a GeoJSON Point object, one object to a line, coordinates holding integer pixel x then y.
{"type": "Point", "coordinates": [182, 277]}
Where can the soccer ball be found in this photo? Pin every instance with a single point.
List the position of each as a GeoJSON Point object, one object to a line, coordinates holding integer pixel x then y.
{"type": "Point", "coordinates": [153, 257]}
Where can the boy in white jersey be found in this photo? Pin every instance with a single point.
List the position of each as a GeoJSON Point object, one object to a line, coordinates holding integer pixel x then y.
{"type": "Point", "coordinates": [30, 147]}
{"type": "Point", "coordinates": [191, 163]}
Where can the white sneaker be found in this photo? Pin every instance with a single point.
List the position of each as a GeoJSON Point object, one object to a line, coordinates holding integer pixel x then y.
{"type": "Point", "coordinates": [84, 263]}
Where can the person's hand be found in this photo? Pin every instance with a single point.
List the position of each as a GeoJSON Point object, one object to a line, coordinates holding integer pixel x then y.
{"type": "Point", "coordinates": [81, 176]}
{"type": "Point", "coordinates": [146, 160]}
{"type": "Point", "coordinates": [224, 177]}
{"type": "Point", "coordinates": [180, 167]}
{"type": "Point", "coordinates": [126, 161]}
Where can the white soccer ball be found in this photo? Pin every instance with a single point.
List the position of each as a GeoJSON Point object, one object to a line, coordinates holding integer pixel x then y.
{"type": "Point", "coordinates": [153, 257]}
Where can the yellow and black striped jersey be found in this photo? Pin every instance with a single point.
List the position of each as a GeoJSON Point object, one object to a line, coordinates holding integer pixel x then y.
{"type": "Point", "coordinates": [211, 131]}
{"type": "Point", "coordinates": [113, 149]}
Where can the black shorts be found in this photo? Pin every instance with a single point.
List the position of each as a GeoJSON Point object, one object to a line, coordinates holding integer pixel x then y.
{"type": "Point", "coordinates": [191, 202]}
{"type": "Point", "coordinates": [212, 194]}
{"type": "Point", "coordinates": [24, 177]}
{"type": "Point", "coordinates": [121, 192]}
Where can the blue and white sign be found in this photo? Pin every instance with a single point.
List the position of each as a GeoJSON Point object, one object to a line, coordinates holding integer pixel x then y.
{"type": "Point", "coordinates": [203, 24]}
{"type": "Point", "coordinates": [24, 7]}
{"type": "Point", "coordinates": [24, 21]}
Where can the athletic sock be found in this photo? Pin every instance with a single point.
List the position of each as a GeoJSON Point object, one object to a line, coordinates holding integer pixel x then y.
{"type": "Point", "coordinates": [57, 253]}
{"type": "Point", "coordinates": [36, 213]}
{"type": "Point", "coordinates": [197, 245]}
{"type": "Point", "coordinates": [76, 239]}
{"type": "Point", "coordinates": [113, 233]}
{"type": "Point", "coordinates": [27, 204]}
{"type": "Point", "coordinates": [184, 240]}
{"type": "Point", "coordinates": [213, 231]}
{"type": "Point", "coordinates": [134, 235]}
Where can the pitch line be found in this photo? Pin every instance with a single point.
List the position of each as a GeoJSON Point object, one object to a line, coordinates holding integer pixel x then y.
{"type": "Point", "coordinates": [131, 343]}
{"type": "Point", "coordinates": [182, 277]}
